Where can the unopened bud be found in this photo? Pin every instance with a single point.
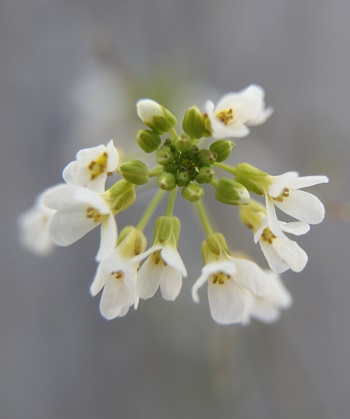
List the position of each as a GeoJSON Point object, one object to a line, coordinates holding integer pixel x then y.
{"type": "Point", "coordinates": [164, 155]}
{"type": "Point", "coordinates": [134, 171]}
{"type": "Point", "coordinates": [121, 196]}
{"type": "Point", "coordinates": [183, 143]}
{"type": "Point", "coordinates": [192, 192]}
{"type": "Point", "coordinates": [166, 181]}
{"type": "Point", "coordinates": [231, 192]}
{"type": "Point", "coordinates": [205, 175]}
{"type": "Point", "coordinates": [207, 157]}
{"type": "Point", "coordinates": [182, 178]}
{"type": "Point", "coordinates": [148, 140]}
{"type": "Point", "coordinates": [155, 116]}
{"type": "Point", "coordinates": [222, 148]}
{"type": "Point", "coordinates": [193, 123]}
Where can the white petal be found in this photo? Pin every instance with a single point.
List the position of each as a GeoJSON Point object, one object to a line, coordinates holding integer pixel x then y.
{"type": "Point", "coordinates": [200, 281]}
{"type": "Point", "coordinates": [70, 173]}
{"type": "Point", "coordinates": [302, 206]}
{"type": "Point", "coordinates": [297, 228]}
{"type": "Point", "coordinates": [226, 266]}
{"type": "Point", "coordinates": [172, 257]}
{"type": "Point", "coordinates": [226, 302]}
{"type": "Point", "coordinates": [250, 276]}
{"type": "Point", "coordinates": [279, 294]}
{"type": "Point", "coordinates": [148, 278]}
{"type": "Point", "coordinates": [291, 253]}
{"type": "Point", "coordinates": [99, 281]}
{"type": "Point", "coordinates": [306, 181]}
{"type": "Point", "coordinates": [116, 299]}
{"type": "Point", "coordinates": [280, 182]}
{"type": "Point", "coordinates": [273, 222]}
{"type": "Point", "coordinates": [109, 235]}
{"type": "Point", "coordinates": [98, 184]}
{"type": "Point", "coordinates": [171, 283]}
{"type": "Point", "coordinates": [273, 259]}
{"type": "Point", "coordinates": [260, 230]}
{"type": "Point", "coordinates": [69, 225]}
{"type": "Point", "coordinates": [87, 155]}
{"type": "Point", "coordinates": [113, 157]}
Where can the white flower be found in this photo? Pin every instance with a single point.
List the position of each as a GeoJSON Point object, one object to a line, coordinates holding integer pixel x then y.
{"type": "Point", "coordinates": [235, 111]}
{"type": "Point", "coordinates": [227, 279]}
{"type": "Point", "coordinates": [79, 210]}
{"type": "Point", "coordinates": [92, 166]}
{"type": "Point", "coordinates": [267, 309]}
{"type": "Point", "coordinates": [164, 268]}
{"type": "Point", "coordinates": [284, 192]}
{"type": "Point", "coordinates": [280, 252]}
{"type": "Point", "coordinates": [33, 229]}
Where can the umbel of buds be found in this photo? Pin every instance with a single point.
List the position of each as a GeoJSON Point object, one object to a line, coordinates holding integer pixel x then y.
{"type": "Point", "coordinates": [196, 162]}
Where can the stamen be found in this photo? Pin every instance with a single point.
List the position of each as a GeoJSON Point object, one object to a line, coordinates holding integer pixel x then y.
{"type": "Point", "coordinates": [225, 116]}
{"type": "Point", "coordinates": [267, 235]}
{"type": "Point", "coordinates": [94, 214]}
{"type": "Point", "coordinates": [98, 166]}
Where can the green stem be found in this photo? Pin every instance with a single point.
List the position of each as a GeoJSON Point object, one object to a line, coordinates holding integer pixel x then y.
{"type": "Point", "coordinates": [204, 218]}
{"type": "Point", "coordinates": [173, 133]}
{"type": "Point", "coordinates": [152, 206]}
{"type": "Point", "coordinates": [226, 167]}
{"type": "Point", "coordinates": [155, 171]}
{"type": "Point", "coordinates": [171, 202]}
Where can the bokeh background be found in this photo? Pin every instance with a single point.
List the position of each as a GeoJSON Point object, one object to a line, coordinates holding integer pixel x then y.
{"type": "Point", "coordinates": [70, 72]}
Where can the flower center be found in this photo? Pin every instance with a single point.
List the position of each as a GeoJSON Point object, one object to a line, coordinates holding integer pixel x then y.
{"type": "Point", "coordinates": [220, 278]}
{"type": "Point", "coordinates": [225, 116]}
{"type": "Point", "coordinates": [95, 215]}
{"type": "Point", "coordinates": [284, 194]}
{"type": "Point", "coordinates": [118, 275]}
{"type": "Point", "coordinates": [98, 166]}
{"type": "Point", "coordinates": [267, 235]}
{"type": "Point", "coordinates": [158, 259]}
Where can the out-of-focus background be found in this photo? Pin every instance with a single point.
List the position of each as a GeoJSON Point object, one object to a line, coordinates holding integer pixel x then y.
{"type": "Point", "coordinates": [70, 73]}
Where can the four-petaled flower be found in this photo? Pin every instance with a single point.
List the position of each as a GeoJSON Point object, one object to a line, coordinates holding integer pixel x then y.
{"type": "Point", "coordinates": [267, 309]}
{"type": "Point", "coordinates": [236, 111]}
{"type": "Point", "coordinates": [78, 211]}
{"type": "Point", "coordinates": [92, 166]}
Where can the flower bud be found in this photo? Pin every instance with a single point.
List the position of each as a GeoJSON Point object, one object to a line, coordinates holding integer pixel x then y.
{"type": "Point", "coordinates": [222, 148]}
{"type": "Point", "coordinates": [155, 116]}
{"type": "Point", "coordinates": [192, 192]}
{"type": "Point", "coordinates": [231, 192]}
{"type": "Point", "coordinates": [207, 157]}
{"type": "Point", "coordinates": [134, 171]}
{"type": "Point", "coordinates": [183, 143]}
{"type": "Point", "coordinates": [167, 229]}
{"type": "Point", "coordinates": [164, 155]}
{"type": "Point", "coordinates": [166, 181]}
{"type": "Point", "coordinates": [193, 123]}
{"type": "Point", "coordinates": [182, 178]}
{"type": "Point", "coordinates": [253, 179]}
{"type": "Point", "coordinates": [148, 140]}
{"type": "Point", "coordinates": [121, 196]}
{"type": "Point", "coordinates": [205, 175]}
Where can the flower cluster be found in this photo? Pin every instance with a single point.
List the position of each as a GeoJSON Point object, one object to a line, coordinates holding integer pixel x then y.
{"type": "Point", "coordinates": [238, 289]}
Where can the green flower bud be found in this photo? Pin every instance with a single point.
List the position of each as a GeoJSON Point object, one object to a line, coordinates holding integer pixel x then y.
{"type": "Point", "coordinates": [167, 229]}
{"type": "Point", "coordinates": [222, 148]}
{"type": "Point", "coordinates": [134, 171]}
{"type": "Point", "coordinates": [231, 192]}
{"type": "Point", "coordinates": [131, 242]}
{"type": "Point", "coordinates": [170, 168]}
{"type": "Point", "coordinates": [166, 181]}
{"type": "Point", "coordinates": [182, 178]}
{"type": "Point", "coordinates": [192, 192]}
{"type": "Point", "coordinates": [193, 123]}
{"type": "Point", "coordinates": [207, 157]}
{"type": "Point", "coordinates": [253, 179]}
{"type": "Point", "coordinates": [148, 140]}
{"type": "Point", "coordinates": [252, 214]}
{"type": "Point", "coordinates": [214, 247]}
{"type": "Point", "coordinates": [164, 155]}
{"type": "Point", "coordinates": [121, 196]}
{"type": "Point", "coordinates": [183, 143]}
{"type": "Point", "coordinates": [205, 175]}
{"type": "Point", "coordinates": [155, 116]}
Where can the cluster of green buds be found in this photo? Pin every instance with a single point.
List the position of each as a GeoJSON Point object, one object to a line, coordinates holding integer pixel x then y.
{"type": "Point", "coordinates": [192, 160]}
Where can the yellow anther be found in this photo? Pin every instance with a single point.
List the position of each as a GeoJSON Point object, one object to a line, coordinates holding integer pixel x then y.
{"type": "Point", "coordinates": [158, 259]}
{"type": "Point", "coordinates": [94, 214]}
{"type": "Point", "coordinates": [284, 194]}
{"type": "Point", "coordinates": [118, 275]}
{"type": "Point", "coordinates": [225, 116]}
{"type": "Point", "coordinates": [268, 236]}
{"type": "Point", "coordinates": [220, 278]}
{"type": "Point", "coordinates": [98, 166]}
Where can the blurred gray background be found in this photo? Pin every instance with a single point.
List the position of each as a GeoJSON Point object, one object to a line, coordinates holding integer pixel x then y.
{"type": "Point", "coordinates": [70, 72]}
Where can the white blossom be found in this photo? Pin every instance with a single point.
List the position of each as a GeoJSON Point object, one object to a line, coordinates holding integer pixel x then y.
{"type": "Point", "coordinates": [164, 268]}
{"type": "Point", "coordinates": [34, 231]}
{"type": "Point", "coordinates": [78, 211]}
{"type": "Point", "coordinates": [227, 279]}
{"type": "Point", "coordinates": [235, 111]}
{"type": "Point", "coordinates": [92, 166]}
{"type": "Point", "coordinates": [267, 309]}
{"type": "Point", "coordinates": [284, 192]}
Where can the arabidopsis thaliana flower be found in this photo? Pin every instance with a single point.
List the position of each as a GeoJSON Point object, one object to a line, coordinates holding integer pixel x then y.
{"type": "Point", "coordinates": [267, 309]}
{"type": "Point", "coordinates": [236, 111]}
{"type": "Point", "coordinates": [78, 211]}
{"type": "Point", "coordinates": [92, 166]}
